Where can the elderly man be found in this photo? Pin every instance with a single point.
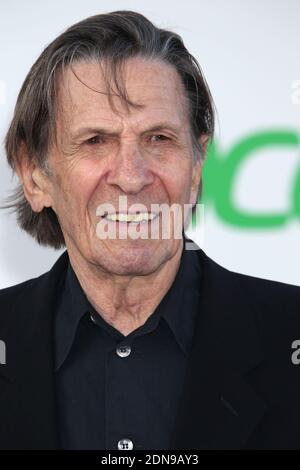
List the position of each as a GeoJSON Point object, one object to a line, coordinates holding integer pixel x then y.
{"type": "Point", "coordinates": [132, 342]}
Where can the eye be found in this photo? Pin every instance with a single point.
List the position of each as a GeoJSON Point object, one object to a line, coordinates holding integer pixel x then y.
{"type": "Point", "coordinates": [158, 138]}
{"type": "Point", "coordinates": [94, 140]}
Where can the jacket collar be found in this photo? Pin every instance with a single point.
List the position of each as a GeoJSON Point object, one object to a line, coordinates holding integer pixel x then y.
{"type": "Point", "coordinates": [218, 409]}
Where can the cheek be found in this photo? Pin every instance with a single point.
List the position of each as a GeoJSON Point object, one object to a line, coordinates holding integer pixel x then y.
{"type": "Point", "coordinates": [178, 183]}
{"type": "Point", "coordinates": [74, 190]}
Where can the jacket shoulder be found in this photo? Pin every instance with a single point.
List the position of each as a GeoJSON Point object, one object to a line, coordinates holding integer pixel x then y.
{"type": "Point", "coordinates": [8, 294]}
{"type": "Point", "coordinates": [276, 304]}
{"type": "Point", "coordinates": [269, 292]}
{"type": "Point", "coordinates": [26, 293]}
{"type": "Point", "coordinates": [54, 271]}
{"type": "Point", "coordinates": [266, 289]}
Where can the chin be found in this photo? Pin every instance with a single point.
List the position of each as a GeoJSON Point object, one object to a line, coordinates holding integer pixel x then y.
{"type": "Point", "coordinates": [136, 257]}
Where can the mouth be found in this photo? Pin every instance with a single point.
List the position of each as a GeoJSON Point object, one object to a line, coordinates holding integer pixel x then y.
{"type": "Point", "coordinates": [135, 218]}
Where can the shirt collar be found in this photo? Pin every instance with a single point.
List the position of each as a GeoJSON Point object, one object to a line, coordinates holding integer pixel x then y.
{"type": "Point", "coordinates": [178, 307]}
{"type": "Point", "coordinates": [72, 308]}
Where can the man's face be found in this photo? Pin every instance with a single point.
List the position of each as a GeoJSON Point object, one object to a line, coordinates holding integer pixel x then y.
{"type": "Point", "coordinates": [143, 153]}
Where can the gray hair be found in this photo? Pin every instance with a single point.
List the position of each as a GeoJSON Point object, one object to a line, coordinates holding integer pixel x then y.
{"type": "Point", "coordinates": [111, 38]}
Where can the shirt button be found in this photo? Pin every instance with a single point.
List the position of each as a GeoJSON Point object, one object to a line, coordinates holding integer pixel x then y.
{"type": "Point", "coordinates": [93, 319]}
{"type": "Point", "coordinates": [123, 351]}
{"type": "Point", "coordinates": [125, 444]}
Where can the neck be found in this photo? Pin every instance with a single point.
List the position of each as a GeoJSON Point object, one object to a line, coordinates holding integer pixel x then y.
{"type": "Point", "coordinates": [125, 302]}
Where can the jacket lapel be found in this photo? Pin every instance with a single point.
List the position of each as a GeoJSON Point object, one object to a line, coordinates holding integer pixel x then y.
{"type": "Point", "coordinates": [218, 409]}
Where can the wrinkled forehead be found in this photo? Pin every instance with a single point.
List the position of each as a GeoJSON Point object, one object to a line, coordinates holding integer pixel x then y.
{"type": "Point", "coordinates": [143, 89]}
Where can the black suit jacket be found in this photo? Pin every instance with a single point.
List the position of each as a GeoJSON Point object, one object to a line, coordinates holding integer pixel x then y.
{"type": "Point", "coordinates": [241, 389]}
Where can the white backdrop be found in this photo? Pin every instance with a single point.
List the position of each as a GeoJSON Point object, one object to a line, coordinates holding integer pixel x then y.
{"type": "Point", "coordinates": [249, 52]}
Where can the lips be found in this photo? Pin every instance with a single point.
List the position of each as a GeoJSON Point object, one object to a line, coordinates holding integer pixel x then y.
{"type": "Point", "coordinates": [136, 217]}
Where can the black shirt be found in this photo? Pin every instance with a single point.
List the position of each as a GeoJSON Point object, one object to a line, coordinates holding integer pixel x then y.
{"type": "Point", "coordinates": [121, 392]}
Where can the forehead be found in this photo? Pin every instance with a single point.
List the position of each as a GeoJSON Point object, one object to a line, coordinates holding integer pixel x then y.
{"type": "Point", "coordinates": [155, 85]}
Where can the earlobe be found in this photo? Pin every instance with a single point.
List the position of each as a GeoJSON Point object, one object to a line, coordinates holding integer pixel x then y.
{"type": "Point", "coordinates": [40, 188]}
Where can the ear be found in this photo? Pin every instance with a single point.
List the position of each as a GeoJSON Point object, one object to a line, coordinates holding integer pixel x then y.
{"type": "Point", "coordinates": [35, 182]}
{"type": "Point", "coordinates": [197, 170]}
{"type": "Point", "coordinates": [196, 178]}
{"type": "Point", "coordinates": [203, 140]}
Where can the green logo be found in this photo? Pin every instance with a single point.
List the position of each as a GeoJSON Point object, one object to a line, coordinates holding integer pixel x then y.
{"type": "Point", "coordinates": [221, 171]}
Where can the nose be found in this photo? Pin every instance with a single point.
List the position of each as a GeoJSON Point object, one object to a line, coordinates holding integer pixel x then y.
{"type": "Point", "coordinates": [130, 169]}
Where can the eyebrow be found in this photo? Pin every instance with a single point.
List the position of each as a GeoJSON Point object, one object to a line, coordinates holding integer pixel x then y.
{"type": "Point", "coordinates": [164, 125]}
{"type": "Point", "coordinates": [103, 131]}
{"type": "Point", "coordinates": [91, 130]}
